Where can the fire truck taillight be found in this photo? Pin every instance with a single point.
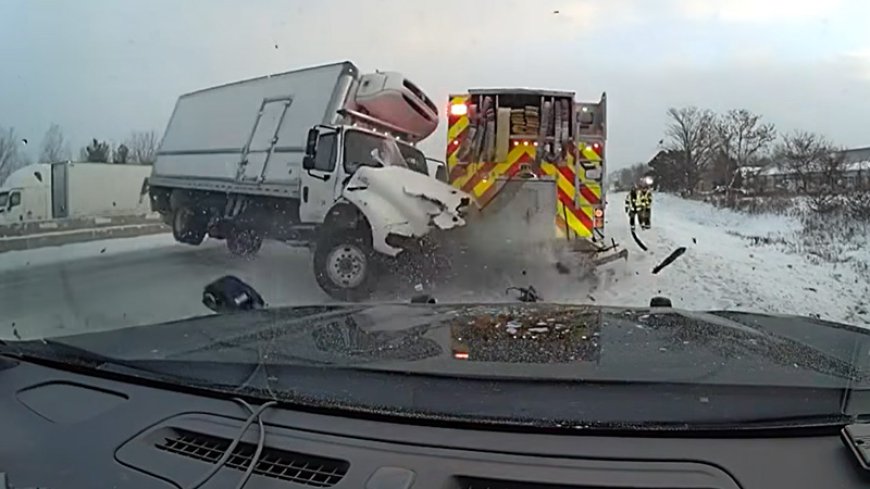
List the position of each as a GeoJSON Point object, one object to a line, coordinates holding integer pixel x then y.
{"type": "Point", "coordinates": [599, 218]}
{"type": "Point", "coordinates": [458, 110]}
{"type": "Point", "coordinates": [460, 355]}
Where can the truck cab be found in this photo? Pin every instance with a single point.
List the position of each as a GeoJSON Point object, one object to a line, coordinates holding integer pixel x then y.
{"type": "Point", "coordinates": [366, 206]}
{"type": "Point", "coordinates": [9, 199]}
{"type": "Point", "coordinates": [25, 195]}
{"type": "Point", "coordinates": [11, 207]}
{"type": "Point", "coordinates": [337, 170]}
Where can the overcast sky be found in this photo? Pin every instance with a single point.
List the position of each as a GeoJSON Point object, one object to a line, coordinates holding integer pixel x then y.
{"type": "Point", "coordinates": [102, 68]}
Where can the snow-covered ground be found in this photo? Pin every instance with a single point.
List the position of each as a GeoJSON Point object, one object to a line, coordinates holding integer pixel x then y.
{"type": "Point", "coordinates": [724, 267]}
{"type": "Point", "coordinates": [12, 260]}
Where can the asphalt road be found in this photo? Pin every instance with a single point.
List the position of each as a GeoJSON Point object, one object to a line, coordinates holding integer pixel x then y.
{"type": "Point", "coordinates": [143, 286]}
{"type": "Point", "coordinates": [82, 287]}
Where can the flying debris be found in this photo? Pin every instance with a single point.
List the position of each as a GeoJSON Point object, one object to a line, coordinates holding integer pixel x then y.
{"type": "Point", "coordinates": [670, 259]}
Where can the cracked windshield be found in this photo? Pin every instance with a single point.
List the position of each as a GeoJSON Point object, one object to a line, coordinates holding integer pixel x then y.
{"type": "Point", "coordinates": [560, 190]}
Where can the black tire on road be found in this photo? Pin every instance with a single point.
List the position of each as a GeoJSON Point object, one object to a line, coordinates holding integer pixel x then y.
{"type": "Point", "coordinates": [244, 241]}
{"type": "Point", "coordinates": [345, 265]}
{"type": "Point", "coordinates": [189, 225]}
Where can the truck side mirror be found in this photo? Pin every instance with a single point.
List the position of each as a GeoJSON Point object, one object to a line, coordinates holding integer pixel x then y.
{"type": "Point", "coordinates": [308, 162]}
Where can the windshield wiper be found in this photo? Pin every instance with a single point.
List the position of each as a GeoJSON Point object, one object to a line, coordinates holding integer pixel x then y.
{"type": "Point", "coordinates": [55, 352]}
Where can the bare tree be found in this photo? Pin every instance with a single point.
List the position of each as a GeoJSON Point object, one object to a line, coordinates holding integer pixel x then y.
{"type": "Point", "coordinates": [741, 138]}
{"type": "Point", "coordinates": [858, 201]}
{"type": "Point", "coordinates": [143, 147]}
{"type": "Point", "coordinates": [689, 135]}
{"type": "Point", "coordinates": [54, 146]}
{"type": "Point", "coordinates": [10, 157]}
{"type": "Point", "coordinates": [96, 152]}
{"type": "Point", "coordinates": [818, 165]}
{"type": "Point", "coordinates": [8, 147]}
{"type": "Point", "coordinates": [121, 154]}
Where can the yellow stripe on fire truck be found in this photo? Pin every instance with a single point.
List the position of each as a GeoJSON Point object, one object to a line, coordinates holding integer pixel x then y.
{"type": "Point", "coordinates": [575, 210]}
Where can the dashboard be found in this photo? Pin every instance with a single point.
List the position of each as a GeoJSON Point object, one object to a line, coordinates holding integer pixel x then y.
{"type": "Point", "coordinates": [62, 429]}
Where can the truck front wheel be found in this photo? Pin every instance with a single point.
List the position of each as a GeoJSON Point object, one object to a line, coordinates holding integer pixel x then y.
{"type": "Point", "coordinates": [189, 225]}
{"type": "Point", "coordinates": [344, 265]}
{"type": "Point", "coordinates": [244, 241]}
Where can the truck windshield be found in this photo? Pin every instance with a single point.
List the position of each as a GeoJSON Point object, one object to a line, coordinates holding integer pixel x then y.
{"type": "Point", "coordinates": [365, 149]}
{"type": "Point", "coordinates": [415, 160]}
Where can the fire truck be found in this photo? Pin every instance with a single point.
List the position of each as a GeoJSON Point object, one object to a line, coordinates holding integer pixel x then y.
{"type": "Point", "coordinates": [536, 158]}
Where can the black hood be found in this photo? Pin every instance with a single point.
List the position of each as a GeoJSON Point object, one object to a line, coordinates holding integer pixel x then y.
{"type": "Point", "coordinates": [529, 341]}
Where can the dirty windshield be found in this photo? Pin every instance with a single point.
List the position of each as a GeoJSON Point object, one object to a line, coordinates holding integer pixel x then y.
{"type": "Point", "coordinates": [564, 190]}
{"type": "Point", "coordinates": [366, 149]}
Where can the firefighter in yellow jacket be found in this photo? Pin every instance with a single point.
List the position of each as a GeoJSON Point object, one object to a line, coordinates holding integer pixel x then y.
{"type": "Point", "coordinates": [638, 204]}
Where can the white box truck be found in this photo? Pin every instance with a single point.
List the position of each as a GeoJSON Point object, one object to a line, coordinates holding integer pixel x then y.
{"type": "Point", "coordinates": [322, 156]}
{"type": "Point", "coordinates": [45, 191]}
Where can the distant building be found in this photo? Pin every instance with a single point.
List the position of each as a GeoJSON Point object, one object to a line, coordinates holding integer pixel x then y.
{"type": "Point", "coordinates": [767, 177]}
{"type": "Point", "coordinates": [777, 178]}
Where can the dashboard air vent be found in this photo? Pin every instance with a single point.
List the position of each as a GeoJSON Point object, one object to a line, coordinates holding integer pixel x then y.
{"type": "Point", "coordinates": [299, 468]}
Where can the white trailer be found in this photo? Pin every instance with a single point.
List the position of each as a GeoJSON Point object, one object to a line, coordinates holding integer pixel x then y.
{"type": "Point", "coordinates": [321, 156]}
{"type": "Point", "coordinates": [45, 191]}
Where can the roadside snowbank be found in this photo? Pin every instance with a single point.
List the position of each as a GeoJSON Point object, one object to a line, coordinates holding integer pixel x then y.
{"type": "Point", "coordinates": [723, 268]}
{"type": "Point", "coordinates": [58, 254]}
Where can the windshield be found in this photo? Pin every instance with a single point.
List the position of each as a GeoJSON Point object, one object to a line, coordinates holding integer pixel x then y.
{"type": "Point", "coordinates": [365, 149]}
{"type": "Point", "coordinates": [690, 203]}
{"type": "Point", "coordinates": [414, 159]}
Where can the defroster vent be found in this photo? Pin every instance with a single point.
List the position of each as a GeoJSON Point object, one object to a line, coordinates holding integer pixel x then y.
{"type": "Point", "coordinates": [299, 468]}
{"type": "Point", "coordinates": [475, 483]}
{"type": "Point", "coordinates": [480, 483]}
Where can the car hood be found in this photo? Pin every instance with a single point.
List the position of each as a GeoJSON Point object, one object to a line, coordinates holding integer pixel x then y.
{"type": "Point", "coordinates": [539, 341]}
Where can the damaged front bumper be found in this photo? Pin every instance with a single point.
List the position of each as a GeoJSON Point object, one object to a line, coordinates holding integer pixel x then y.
{"type": "Point", "coordinates": [581, 256]}
{"type": "Point", "coordinates": [402, 206]}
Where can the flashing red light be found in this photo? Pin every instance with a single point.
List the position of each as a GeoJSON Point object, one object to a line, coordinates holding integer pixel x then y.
{"type": "Point", "coordinates": [458, 110]}
{"type": "Point", "coordinates": [460, 355]}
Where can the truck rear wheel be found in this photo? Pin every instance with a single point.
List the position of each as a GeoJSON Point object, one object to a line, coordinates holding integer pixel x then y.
{"type": "Point", "coordinates": [244, 241]}
{"type": "Point", "coordinates": [189, 225]}
{"type": "Point", "coordinates": [344, 265]}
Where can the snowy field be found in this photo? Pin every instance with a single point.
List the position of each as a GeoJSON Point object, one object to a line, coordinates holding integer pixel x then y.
{"type": "Point", "coordinates": [724, 268]}
{"type": "Point", "coordinates": [149, 279]}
